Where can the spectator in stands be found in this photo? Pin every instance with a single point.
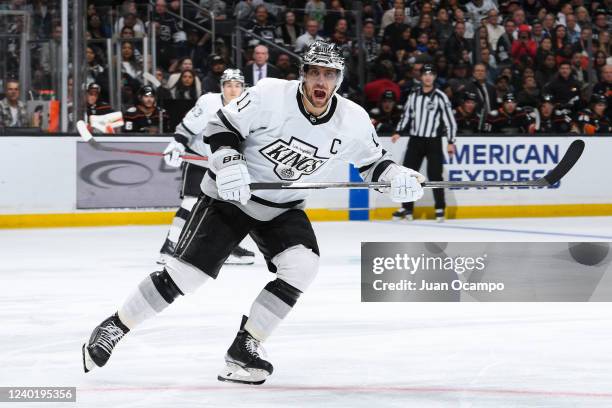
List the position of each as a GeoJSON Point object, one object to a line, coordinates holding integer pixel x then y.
{"type": "Point", "coordinates": [129, 18]}
{"type": "Point", "coordinates": [386, 115]}
{"type": "Point", "coordinates": [371, 44]}
{"type": "Point", "coordinates": [244, 11]}
{"type": "Point", "coordinates": [405, 48]}
{"type": "Point", "coordinates": [167, 34]}
{"type": "Point", "coordinates": [537, 31]}
{"type": "Point", "coordinates": [197, 49]}
{"type": "Point", "coordinates": [456, 44]}
{"type": "Point", "coordinates": [145, 116]}
{"type": "Point", "coordinates": [13, 112]}
{"type": "Point", "coordinates": [494, 30]}
{"type": "Point", "coordinates": [459, 17]}
{"type": "Point", "coordinates": [559, 40]}
{"type": "Point", "coordinates": [315, 9]}
{"type": "Point", "coordinates": [525, 46]}
{"type": "Point", "coordinates": [286, 69]}
{"type": "Point", "coordinates": [424, 25]}
{"type": "Point", "coordinates": [442, 27]}
{"type": "Point", "coordinates": [478, 9]}
{"type": "Point", "coordinates": [212, 82]}
{"type": "Point", "coordinates": [182, 65]}
{"type": "Point", "coordinates": [601, 23]}
{"type": "Point", "coordinates": [529, 95]}
{"type": "Point", "coordinates": [578, 63]}
{"type": "Point", "coordinates": [335, 13]}
{"type": "Point", "coordinates": [393, 34]}
{"type": "Point", "coordinates": [599, 62]}
{"type": "Point", "coordinates": [130, 65]}
{"type": "Point", "coordinates": [604, 87]}
{"type": "Point", "coordinates": [289, 31]}
{"type": "Point", "coordinates": [565, 89]}
{"type": "Point", "coordinates": [383, 82]}
{"type": "Point", "coordinates": [504, 44]}
{"type": "Point", "coordinates": [582, 16]}
{"type": "Point", "coordinates": [95, 71]}
{"type": "Point", "coordinates": [459, 82]}
{"type": "Point", "coordinates": [573, 31]}
{"type": "Point", "coordinates": [310, 36]}
{"type": "Point", "coordinates": [389, 17]}
{"type": "Point", "coordinates": [547, 70]}
{"type": "Point", "coordinates": [509, 119]}
{"type": "Point", "coordinates": [218, 7]}
{"type": "Point", "coordinates": [544, 50]}
{"type": "Point", "coordinates": [261, 26]}
{"type": "Point", "coordinates": [260, 68]}
{"type": "Point", "coordinates": [96, 28]}
{"type": "Point", "coordinates": [586, 34]}
{"type": "Point", "coordinates": [468, 121]}
{"type": "Point", "coordinates": [185, 87]}
{"type": "Point", "coordinates": [486, 93]}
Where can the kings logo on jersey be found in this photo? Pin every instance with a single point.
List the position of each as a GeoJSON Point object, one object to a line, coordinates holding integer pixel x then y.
{"type": "Point", "coordinates": [294, 159]}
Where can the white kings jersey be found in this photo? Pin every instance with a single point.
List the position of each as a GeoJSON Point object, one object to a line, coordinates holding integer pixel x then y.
{"type": "Point", "coordinates": [190, 131]}
{"type": "Point", "coordinates": [281, 141]}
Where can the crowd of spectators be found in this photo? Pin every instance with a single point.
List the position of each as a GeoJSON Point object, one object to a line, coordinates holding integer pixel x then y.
{"type": "Point", "coordinates": [488, 53]}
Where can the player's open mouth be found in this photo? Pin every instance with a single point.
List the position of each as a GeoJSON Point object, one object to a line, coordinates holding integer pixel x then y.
{"type": "Point", "coordinates": [319, 94]}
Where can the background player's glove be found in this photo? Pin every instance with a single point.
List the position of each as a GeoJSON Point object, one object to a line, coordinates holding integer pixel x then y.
{"type": "Point", "coordinates": [173, 152]}
{"type": "Point", "coordinates": [232, 175]}
{"type": "Point", "coordinates": [405, 183]}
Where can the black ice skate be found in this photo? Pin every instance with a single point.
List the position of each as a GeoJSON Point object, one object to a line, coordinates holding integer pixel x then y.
{"type": "Point", "coordinates": [103, 340]}
{"type": "Point", "coordinates": [240, 256]}
{"type": "Point", "coordinates": [402, 214]}
{"type": "Point", "coordinates": [244, 363]}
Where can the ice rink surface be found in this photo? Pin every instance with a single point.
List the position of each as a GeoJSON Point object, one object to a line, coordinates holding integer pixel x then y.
{"type": "Point", "coordinates": [332, 350]}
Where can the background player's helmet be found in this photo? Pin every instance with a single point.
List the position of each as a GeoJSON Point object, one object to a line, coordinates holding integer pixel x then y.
{"type": "Point", "coordinates": [599, 98]}
{"type": "Point", "coordinates": [145, 91]}
{"type": "Point", "coordinates": [323, 54]}
{"type": "Point", "coordinates": [509, 97]}
{"type": "Point", "coordinates": [547, 98]}
{"type": "Point", "coordinates": [94, 87]}
{"type": "Point", "coordinates": [231, 74]}
{"type": "Point", "coordinates": [469, 96]}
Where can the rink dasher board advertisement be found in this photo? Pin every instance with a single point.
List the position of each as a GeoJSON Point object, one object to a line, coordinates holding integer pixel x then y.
{"type": "Point", "coordinates": [516, 158]}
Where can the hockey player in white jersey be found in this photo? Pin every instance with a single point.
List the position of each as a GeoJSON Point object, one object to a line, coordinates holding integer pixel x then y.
{"type": "Point", "coordinates": [188, 138]}
{"type": "Point", "coordinates": [278, 130]}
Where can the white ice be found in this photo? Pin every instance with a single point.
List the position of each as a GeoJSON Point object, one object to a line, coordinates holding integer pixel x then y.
{"type": "Point", "coordinates": [332, 350]}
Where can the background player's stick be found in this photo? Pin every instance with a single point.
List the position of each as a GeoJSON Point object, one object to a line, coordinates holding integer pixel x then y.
{"type": "Point", "coordinates": [88, 137]}
{"type": "Point", "coordinates": [567, 162]}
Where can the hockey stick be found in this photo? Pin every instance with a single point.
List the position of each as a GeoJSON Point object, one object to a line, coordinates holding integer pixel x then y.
{"type": "Point", "coordinates": [88, 137]}
{"type": "Point", "coordinates": [565, 165]}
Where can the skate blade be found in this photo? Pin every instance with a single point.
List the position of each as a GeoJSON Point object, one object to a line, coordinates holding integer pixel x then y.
{"type": "Point", "coordinates": [233, 260]}
{"type": "Point", "coordinates": [88, 363]}
{"type": "Point", "coordinates": [236, 374]}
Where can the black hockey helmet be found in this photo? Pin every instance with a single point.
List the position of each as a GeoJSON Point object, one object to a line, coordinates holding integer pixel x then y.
{"type": "Point", "coordinates": [388, 95]}
{"type": "Point", "coordinates": [146, 90]}
{"type": "Point", "coordinates": [469, 96]}
{"type": "Point", "coordinates": [509, 97]}
{"type": "Point", "coordinates": [598, 98]}
{"type": "Point", "coordinates": [547, 98]}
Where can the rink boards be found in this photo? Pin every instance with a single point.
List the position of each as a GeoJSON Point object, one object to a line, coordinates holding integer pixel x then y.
{"type": "Point", "coordinates": [48, 181]}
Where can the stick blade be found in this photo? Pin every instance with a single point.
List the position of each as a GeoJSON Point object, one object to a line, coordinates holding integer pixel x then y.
{"type": "Point", "coordinates": [567, 162]}
{"type": "Point", "coordinates": [85, 134]}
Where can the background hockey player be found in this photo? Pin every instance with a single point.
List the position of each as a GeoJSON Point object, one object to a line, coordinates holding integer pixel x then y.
{"type": "Point", "coordinates": [188, 137]}
{"type": "Point", "coordinates": [509, 119]}
{"type": "Point", "coordinates": [594, 120]}
{"type": "Point", "coordinates": [551, 120]}
{"type": "Point", "coordinates": [277, 131]}
{"type": "Point", "coordinates": [468, 121]}
{"type": "Point", "coordinates": [146, 116]}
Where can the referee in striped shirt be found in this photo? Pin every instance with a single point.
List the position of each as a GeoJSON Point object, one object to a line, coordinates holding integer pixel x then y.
{"type": "Point", "coordinates": [427, 116]}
